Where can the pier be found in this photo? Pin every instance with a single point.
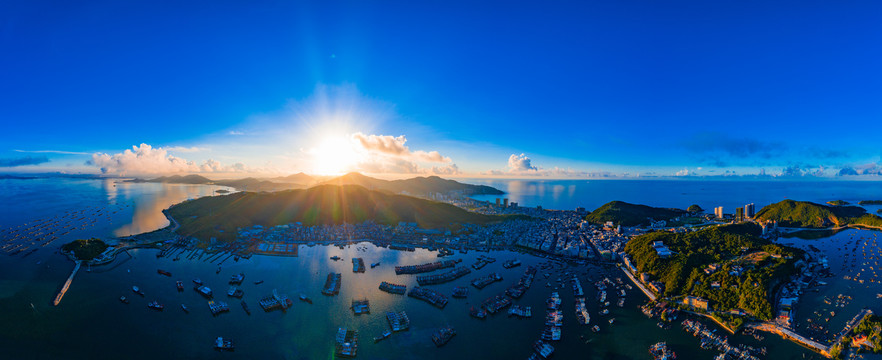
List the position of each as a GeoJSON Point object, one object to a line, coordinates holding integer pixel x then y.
{"type": "Point", "coordinates": [646, 291]}
{"type": "Point", "coordinates": [67, 284]}
{"type": "Point", "coordinates": [811, 344]}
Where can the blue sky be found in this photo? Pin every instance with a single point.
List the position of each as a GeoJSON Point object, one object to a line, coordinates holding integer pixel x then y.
{"type": "Point", "coordinates": [580, 89]}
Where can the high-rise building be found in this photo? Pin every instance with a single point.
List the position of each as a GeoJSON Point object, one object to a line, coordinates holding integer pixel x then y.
{"type": "Point", "coordinates": [718, 211]}
{"type": "Point", "coordinates": [739, 214]}
{"type": "Point", "coordinates": [505, 202]}
{"type": "Point", "coordinates": [749, 210]}
{"type": "Point", "coordinates": [497, 201]}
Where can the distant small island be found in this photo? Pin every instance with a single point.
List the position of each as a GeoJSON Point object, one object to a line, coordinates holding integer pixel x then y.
{"type": "Point", "coordinates": [85, 249]}
{"type": "Point", "coordinates": [626, 214]}
{"type": "Point", "coordinates": [870, 202]}
{"type": "Point", "coordinates": [838, 203]}
{"type": "Point", "coordinates": [695, 209]}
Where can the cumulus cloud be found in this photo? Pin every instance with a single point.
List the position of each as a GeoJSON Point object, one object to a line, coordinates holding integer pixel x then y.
{"type": "Point", "coordinates": [234, 133]}
{"type": "Point", "coordinates": [520, 163]}
{"type": "Point", "coordinates": [22, 161]}
{"type": "Point", "coordinates": [451, 169]}
{"type": "Point", "coordinates": [147, 160]}
{"type": "Point", "coordinates": [684, 172]}
{"type": "Point", "coordinates": [390, 154]}
{"type": "Point", "coordinates": [866, 169]}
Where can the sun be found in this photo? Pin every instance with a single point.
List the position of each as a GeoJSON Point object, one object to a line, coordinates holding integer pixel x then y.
{"type": "Point", "coordinates": [334, 156]}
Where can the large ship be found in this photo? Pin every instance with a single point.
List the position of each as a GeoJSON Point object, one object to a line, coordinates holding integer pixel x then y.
{"type": "Point", "coordinates": [347, 342]}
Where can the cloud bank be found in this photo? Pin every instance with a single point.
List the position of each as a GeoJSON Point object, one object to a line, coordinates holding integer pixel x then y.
{"type": "Point", "coordinates": [147, 160]}
{"type": "Point", "coordinates": [390, 154]}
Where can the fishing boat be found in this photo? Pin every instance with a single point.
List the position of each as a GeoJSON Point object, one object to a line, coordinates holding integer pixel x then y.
{"type": "Point", "coordinates": [223, 344]}
{"type": "Point", "coordinates": [258, 282]}
{"type": "Point", "coordinates": [304, 298]}
{"type": "Point", "coordinates": [197, 281]}
{"type": "Point", "coordinates": [245, 306]}
{"type": "Point", "coordinates": [375, 265]}
{"type": "Point", "coordinates": [155, 305]}
{"type": "Point", "coordinates": [385, 335]}
{"type": "Point", "coordinates": [123, 300]}
{"type": "Point", "coordinates": [137, 290]}
{"type": "Point", "coordinates": [180, 285]}
{"type": "Point", "coordinates": [185, 308]}
{"type": "Point", "coordinates": [163, 272]}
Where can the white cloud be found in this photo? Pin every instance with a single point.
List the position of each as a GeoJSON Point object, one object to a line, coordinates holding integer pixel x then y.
{"type": "Point", "coordinates": [390, 154]}
{"type": "Point", "coordinates": [235, 133]}
{"type": "Point", "coordinates": [147, 160]}
{"type": "Point", "coordinates": [520, 163]}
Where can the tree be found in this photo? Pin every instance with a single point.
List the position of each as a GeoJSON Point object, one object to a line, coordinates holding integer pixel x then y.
{"type": "Point", "coordinates": [694, 208]}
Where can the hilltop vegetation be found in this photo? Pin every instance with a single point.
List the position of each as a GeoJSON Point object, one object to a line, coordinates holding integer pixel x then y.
{"type": "Point", "coordinates": [219, 216]}
{"type": "Point", "coordinates": [838, 202]}
{"type": "Point", "coordinates": [694, 208]}
{"type": "Point", "coordinates": [764, 265]}
{"type": "Point", "coordinates": [414, 186]}
{"type": "Point", "coordinates": [790, 213]}
{"type": "Point", "coordinates": [870, 202]}
{"type": "Point", "coordinates": [625, 214]}
{"type": "Point", "coordinates": [85, 249]}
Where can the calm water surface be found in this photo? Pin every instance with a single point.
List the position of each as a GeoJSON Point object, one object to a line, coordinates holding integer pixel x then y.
{"type": "Point", "coordinates": [92, 323]}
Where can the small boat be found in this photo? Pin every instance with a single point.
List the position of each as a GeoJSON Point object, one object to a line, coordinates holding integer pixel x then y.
{"type": "Point", "coordinates": [375, 265]}
{"type": "Point", "coordinates": [197, 281]}
{"type": "Point", "coordinates": [155, 305]}
{"type": "Point", "coordinates": [163, 272]}
{"type": "Point", "coordinates": [180, 285]}
{"type": "Point", "coordinates": [335, 258]}
{"type": "Point", "coordinates": [223, 344]}
{"type": "Point", "coordinates": [137, 290]}
{"type": "Point", "coordinates": [245, 306]}
{"type": "Point", "coordinates": [184, 307]}
{"type": "Point", "coordinates": [258, 282]}
{"type": "Point", "coordinates": [123, 300]}
{"type": "Point", "coordinates": [218, 270]}
{"type": "Point", "coordinates": [595, 328]}
{"type": "Point", "coordinates": [385, 335]}
{"type": "Point", "coordinates": [304, 298]}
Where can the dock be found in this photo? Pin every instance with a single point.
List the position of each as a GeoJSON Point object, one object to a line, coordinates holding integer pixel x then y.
{"type": "Point", "coordinates": [67, 284]}
{"type": "Point", "coordinates": [646, 291]}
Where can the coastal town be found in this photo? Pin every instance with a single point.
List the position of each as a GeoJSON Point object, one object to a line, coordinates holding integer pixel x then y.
{"type": "Point", "coordinates": [570, 244]}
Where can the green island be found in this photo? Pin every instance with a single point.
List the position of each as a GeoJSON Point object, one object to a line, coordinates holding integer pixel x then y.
{"type": "Point", "coordinates": [870, 202]}
{"type": "Point", "coordinates": [804, 214]}
{"type": "Point", "coordinates": [626, 214]}
{"type": "Point", "coordinates": [838, 202]}
{"type": "Point", "coordinates": [220, 216]}
{"type": "Point", "coordinates": [85, 249]}
{"type": "Point", "coordinates": [746, 268]}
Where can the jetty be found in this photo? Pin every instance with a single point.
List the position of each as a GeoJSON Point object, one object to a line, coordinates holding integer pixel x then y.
{"type": "Point", "coordinates": [646, 291]}
{"type": "Point", "coordinates": [67, 284]}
